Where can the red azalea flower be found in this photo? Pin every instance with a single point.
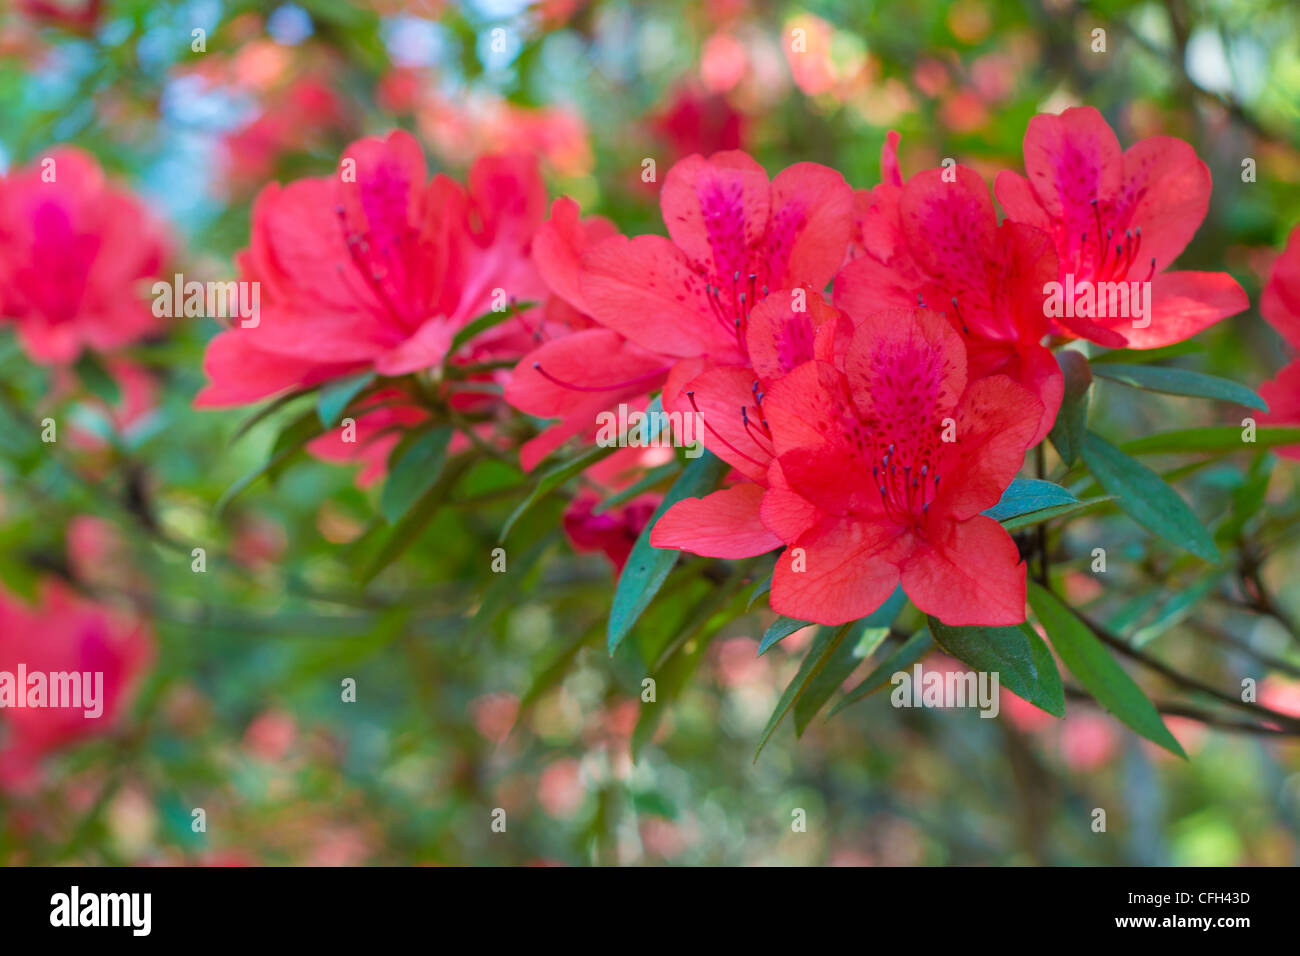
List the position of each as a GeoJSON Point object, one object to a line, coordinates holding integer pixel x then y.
{"type": "Point", "coordinates": [558, 379]}
{"type": "Point", "coordinates": [64, 632]}
{"type": "Point", "coordinates": [729, 402]}
{"type": "Point", "coordinates": [733, 236]}
{"type": "Point", "coordinates": [695, 122]}
{"type": "Point", "coordinates": [1120, 217]}
{"type": "Point", "coordinates": [377, 273]}
{"type": "Point", "coordinates": [78, 15]}
{"type": "Point", "coordinates": [75, 256]}
{"type": "Point", "coordinates": [1280, 305]}
{"type": "Point", "coordinates": [935, 241]}
{"type": "Point", "coordinates": [295, 119]}
{"type": "Point", "coordinates": [681, 305]}
{"type": "Point", "coordinates": [612, 532]}
{"type": "Point", "coordinates": [868, 491]}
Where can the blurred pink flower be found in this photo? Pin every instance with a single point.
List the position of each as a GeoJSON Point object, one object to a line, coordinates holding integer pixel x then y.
{"type": "Point", "coordinates": [1088, 741]}
{"type": "Point", "coordinates": [560, 790]}
{"type": "Point", "coordinates": [76, 254]}
{"type": "Point", "coordinates": [64, 632]}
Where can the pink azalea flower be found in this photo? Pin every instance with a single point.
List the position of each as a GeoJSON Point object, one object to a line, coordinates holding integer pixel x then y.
{"type": "Point", "coordinates": [881, 470]}
{"type": "Point", "coordinates": [76, 254]}
{"type": "Point", "coordinates": [377, 273]}
{"type": "Point", "coordinates": [935, 241]}
{"type": "Point", "coordinates": [1120, 216]}
{"type": "Point", "coordinates": [64, 632]}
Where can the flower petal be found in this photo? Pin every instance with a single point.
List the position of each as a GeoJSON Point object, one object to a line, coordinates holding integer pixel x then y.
{"type": "Point", "coordinates": [558, 247]}
{"type": "Point", "coordinates": [1165, 193]}
{"type": "Point", "coordinates": [808, 226]}
{"type": "Point", "coordinates": [995, 422]}
{"type": "Point", "coordinates": [724, 524]}
{"type": "Point", "coordinates": [645, 289]}
{"type": "Point", "coordinates": [723, 399]}
{"type": "Point", "coordinates": [1184, 303]}
{"type": "Point", "coordinates": [968, 574]}
{"type": "Point", "coordinates": [780, 339]}
{"type": "Point", "coordinates": [849, 569]}
{"type": "Point", "coordinates": [1280, 304]}
{"type": "Point", "coordinates": [716, 209]}
{"type": "Point", "coordinates": [1072, 159]}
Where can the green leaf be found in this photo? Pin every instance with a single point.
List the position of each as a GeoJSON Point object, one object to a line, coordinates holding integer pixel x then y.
{"type": "Point", "coordinates": [1060, 511]}
{"type": "Point", "coordinates": [1146, 498]}
{"type": "Point", "coordinates": [407, 530]}
{"type": "Point", "coordinates": [1017, 655]}
{"type": "Point", "coordinates": [1090, 662]}
{"type": "Point", "coordinates": [97, 379]}
{"type": "Point", "coordinates": [551, 479]}
{"type": "Point", "coordinates": [1072, 419]}
{"type": "Point", "coordinates": [484, 322]}
{"type": "Point", "coordinates": [823, 648]}
{"type": "Point", "coordinates": [1212, 438]}
{"type": "Point", "coordinates": [336, 396]}
{"type": "Point", "coordinates": [557, 475]}
{"type": "Point", "coordinates": [1247, 498]}
{"type": "Point", "coordinates": [413, 472]}
{"type": "Point", "coordinates": [778, 631]}
{"type": "Point", "coordinates": [267, 410]}
{"type": "Point", "coordinates": [1180, 381]}
{"type": "Point", "coordinates": [289, 442]}
{"type": "Point", "coordinates": [903, 657]}
{"type": "Point", "coordinates": [653, 477]}
{"type": "Point", "coordinates": [507, 589]}
{"type": "Point", "coordinates": [1176, 609]}
{"type": "Point", "coordinates": [838, 668]}
{"type": "Point", "coordinates": [1134, 356]}
{"type": "Point", "coordinates": [761, 588]}
{"type": "Point", "coordinates": [647, 567]}
{"type": "Point", "coordinates": [1027, 495]}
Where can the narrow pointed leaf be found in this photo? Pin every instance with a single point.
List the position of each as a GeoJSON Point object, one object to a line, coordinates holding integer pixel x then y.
{"type": "Point", "coordinates": [1017, 655]}
{"type": "Point", "coordinates": [839, 667]}
{"type": "Point", "coordinates": [1146, 498]}
{"type": "Point", "coordinates": [557, 475]}
{"type": "Point", "coordinates": [1090, 662]}
{"type": "Point", "coordinates": [1180, 381]}
{"type": "Point", "coordinates": [824, 646]}
{"type": "Point", "coordinates": [287, 444]}
{"type": "Point", "coordinates": [647, 567]}
{"type": "Point", "coordinates": [1072, 419]}
{"type": "Point", "coordinates": [1060, 511]}
{"type": "Point", "coordinates": [413, 473]}
{"type": "Point", "coordinates": [336, 396]}
{"type": "Point", "coordinates": [778, 631]}
{"type": "Point", "coordinates": [1213, 438]}
{"type": "Point", "coordinates": [1027, 495]}
{"type": "Point", "coordinates": [903, 657]}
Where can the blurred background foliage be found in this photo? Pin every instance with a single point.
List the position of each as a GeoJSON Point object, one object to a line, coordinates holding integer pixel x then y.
{"type": "Point", "coordinates": [240, 713]}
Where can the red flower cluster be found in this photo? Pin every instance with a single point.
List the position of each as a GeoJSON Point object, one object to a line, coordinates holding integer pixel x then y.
{"type": "Point", "coordinates": [866, 433]}
{"type": "Point", "coordinates": [869, 435]}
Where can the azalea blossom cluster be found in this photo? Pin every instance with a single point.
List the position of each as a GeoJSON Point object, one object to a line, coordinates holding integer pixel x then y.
{"type": "Point", "coordinates": [867, 431]}
{"type": "Point", "coordinates": [873, 365]}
